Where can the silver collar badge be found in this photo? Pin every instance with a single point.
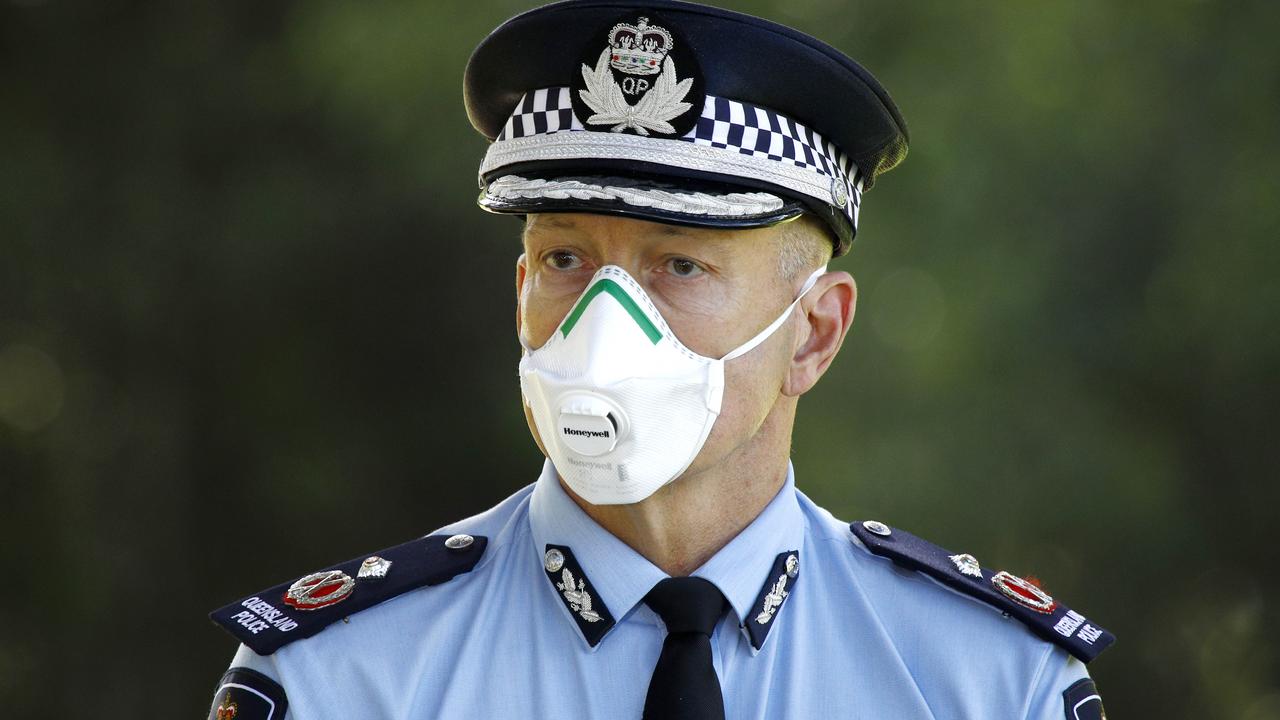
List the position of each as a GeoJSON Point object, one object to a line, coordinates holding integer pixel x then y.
{"type": "Point", "coordinates": [577, 596]}
{"type": "Point", "coordinates": [773, 600]}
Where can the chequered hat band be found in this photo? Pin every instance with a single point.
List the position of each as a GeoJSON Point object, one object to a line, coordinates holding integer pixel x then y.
{"type": "Point", "coordinates": [730, 138]}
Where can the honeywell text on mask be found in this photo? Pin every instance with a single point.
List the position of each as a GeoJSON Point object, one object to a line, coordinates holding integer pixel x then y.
{"type": "Point", "coordinates": [585, 433]}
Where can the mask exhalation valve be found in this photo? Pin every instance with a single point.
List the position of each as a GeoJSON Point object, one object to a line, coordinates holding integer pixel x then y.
{"type": "Point", "coordinates": [590, 425]}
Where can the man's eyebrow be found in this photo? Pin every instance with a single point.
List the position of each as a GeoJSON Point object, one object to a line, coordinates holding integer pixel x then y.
{"type": "Point", "coordinates": [676, 230]}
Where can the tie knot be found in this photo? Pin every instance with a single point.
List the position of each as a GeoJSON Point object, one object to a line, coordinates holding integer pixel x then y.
{"type": "Point", "coordinates": [687, 604]}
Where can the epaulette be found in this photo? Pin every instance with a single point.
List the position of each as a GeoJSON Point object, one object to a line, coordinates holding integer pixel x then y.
{"type": "Point", "coordinates": [295, 610]}
{"type": "Point", "coordinates": [1015, 596]}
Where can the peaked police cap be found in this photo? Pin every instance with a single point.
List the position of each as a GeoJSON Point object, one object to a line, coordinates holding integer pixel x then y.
{"type": "Point", "coordinates": [679, 113]}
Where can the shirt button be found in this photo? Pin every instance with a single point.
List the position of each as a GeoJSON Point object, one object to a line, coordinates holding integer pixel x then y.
{"type": "Point", "coordinates": [878, 528]}
{"type": "Point", "coordinates": [459, 542]}
{"type": "Point", "coordinates": [553, 560]}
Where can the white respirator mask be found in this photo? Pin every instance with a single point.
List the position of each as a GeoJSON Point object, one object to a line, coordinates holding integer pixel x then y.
{"type": "Point", "coordinates": [622, 406]}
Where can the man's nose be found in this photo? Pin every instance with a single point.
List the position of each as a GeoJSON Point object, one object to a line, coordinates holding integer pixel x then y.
{"type": "Point", "coordinates": [634, 267]}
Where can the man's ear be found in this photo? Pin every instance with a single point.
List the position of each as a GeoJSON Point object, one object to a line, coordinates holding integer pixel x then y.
{"type": "Point", "coordinates": [522, 268]}
{"type": "Point", "coordinates": [827, 312]}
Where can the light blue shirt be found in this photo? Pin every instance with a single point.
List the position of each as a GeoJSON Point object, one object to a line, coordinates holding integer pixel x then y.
{"type": "Point", "coordinates": [855, 637]}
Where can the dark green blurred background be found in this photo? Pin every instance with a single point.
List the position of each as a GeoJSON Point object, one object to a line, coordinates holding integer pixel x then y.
{"type": "Point", "coordinates": [247, 300]}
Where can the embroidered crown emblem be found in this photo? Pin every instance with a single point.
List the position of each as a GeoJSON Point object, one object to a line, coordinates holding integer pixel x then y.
{"type": "Point", "coordinates": [636, 50]}
{"type": "Point", "coordinates": [639, 49]}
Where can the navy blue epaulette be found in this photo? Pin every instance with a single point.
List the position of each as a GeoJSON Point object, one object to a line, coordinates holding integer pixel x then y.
{"type": "Point", "coordinates": [295, 610]}
{"type": "Point", "coordinates": [1017, 597]}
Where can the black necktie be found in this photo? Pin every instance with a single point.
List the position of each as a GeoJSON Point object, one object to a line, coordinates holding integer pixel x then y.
{"type": "Point", "coordinates": [684, 685]}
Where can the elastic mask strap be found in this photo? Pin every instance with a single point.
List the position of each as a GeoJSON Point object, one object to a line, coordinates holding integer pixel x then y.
{"type": "Point", "coordinates": [764, 334]}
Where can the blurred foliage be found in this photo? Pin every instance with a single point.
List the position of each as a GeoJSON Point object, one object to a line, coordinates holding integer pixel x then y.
{"type": "Point", "coordinates": [251, 322]}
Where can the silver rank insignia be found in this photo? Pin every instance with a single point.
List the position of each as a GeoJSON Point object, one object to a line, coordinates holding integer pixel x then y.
{"type": "Point", "coordinates": [373, 568]}
{"type": "Point", "coordinates": [318, 590]}
{"type": "Point", "coordinates": [1024, 593]}
{"type": "Point", "coordinates": [967, 564]}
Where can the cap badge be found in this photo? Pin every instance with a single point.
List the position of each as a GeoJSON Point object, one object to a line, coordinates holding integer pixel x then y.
{"type": "Point", "coordinates": [319, 590]}
{"type": "Point", "coordinates": [1023, 592]}
{"type": "Point", "coordinates": [632, 84]}
{"type": "Point", "coordinates": [967, 565]}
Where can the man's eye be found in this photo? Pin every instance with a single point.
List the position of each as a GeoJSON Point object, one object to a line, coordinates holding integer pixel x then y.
{"type": "Point", "coordinates": [683, 267]}
{"type": "Point", "coordinates": [564, 260]}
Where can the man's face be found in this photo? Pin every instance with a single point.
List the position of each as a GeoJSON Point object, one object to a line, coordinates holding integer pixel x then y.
{"type": "Point", "coordinates": [715, 288]}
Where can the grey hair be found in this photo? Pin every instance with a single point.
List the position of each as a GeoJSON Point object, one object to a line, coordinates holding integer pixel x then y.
{"type": "Point", "coordinates": [804, 245]}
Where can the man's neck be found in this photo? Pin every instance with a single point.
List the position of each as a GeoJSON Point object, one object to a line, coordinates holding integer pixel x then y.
{"type": "Point", "coordinates": [687, 521]}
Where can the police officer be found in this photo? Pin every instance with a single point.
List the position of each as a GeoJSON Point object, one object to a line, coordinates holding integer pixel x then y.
{"type": "Point", "coordinates": [685, 174]}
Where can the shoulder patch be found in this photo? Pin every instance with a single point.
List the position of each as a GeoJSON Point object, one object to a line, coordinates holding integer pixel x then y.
{"type": "Point", "coordinates": [294, 610]}
{"type": "Point", "coordinates": [245, 694]}
{"type": "Point", "coordinates": [1081, 701]}
{"type": "Point", "coordinates": [1018, 598]}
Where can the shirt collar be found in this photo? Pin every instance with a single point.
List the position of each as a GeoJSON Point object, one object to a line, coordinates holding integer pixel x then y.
{"type": "Point", "coordinates": [621, 577]}
{"type": "Point", "coordinates": [740, 568]}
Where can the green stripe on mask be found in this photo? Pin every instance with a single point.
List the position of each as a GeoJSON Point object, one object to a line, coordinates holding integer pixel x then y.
{"type": "Point", "coordinates": [623, 299]}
